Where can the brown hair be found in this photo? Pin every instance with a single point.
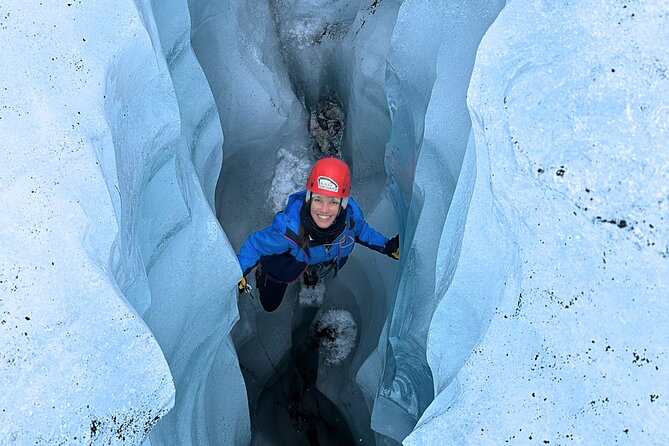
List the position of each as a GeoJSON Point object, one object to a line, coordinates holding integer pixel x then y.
{"type": "Point", "coordinates": [302, 237]}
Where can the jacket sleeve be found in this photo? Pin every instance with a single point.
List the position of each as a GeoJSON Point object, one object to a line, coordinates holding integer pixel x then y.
{"type": "Point", "coordinates": [260, 243]}
{"type": "Point", "coordinates": [364, 233]}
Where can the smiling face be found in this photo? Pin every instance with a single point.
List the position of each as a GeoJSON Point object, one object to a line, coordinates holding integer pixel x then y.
{"type": "Point", "coordinates": [324, 210]}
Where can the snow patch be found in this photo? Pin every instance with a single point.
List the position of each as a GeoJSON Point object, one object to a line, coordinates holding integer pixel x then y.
{"type": "Point", "coordinates": [290, 175]}
{"type": "Point", "coordinates": [336, 333]}
{"type": "Point", "coordinates": [312, 297]}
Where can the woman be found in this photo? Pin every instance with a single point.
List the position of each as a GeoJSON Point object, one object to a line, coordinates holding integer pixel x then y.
{"type": "Point", "coordinates": [314, 234]}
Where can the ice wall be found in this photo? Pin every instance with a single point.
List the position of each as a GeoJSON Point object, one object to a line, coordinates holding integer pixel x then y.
{"type": "Point", "coordinates": [570, 125]}
{"type": "Point", "coordinates": [359, 78]}
{"type": "Point", "coordinates": [427, 78]}
{"type": "Point", "coordinates": [237, 45]}
{"type": "Point", "coordinates": [79, 366]}
{"type": "Point", "coordinates": [167, 156]}
{"type": "Point", "coordinates": [112, 152]}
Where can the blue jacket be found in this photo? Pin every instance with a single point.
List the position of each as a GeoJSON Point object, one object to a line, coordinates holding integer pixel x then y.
{"type": "Point", "coordinates": [278, 249]}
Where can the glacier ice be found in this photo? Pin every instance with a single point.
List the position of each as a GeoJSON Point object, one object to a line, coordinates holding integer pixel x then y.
{"type": "Point", "coordinates": [567, 119]}
{"type": "Point", "coordinates": [166, 168]}
{"type": "Point", "coordinates": [78, 363]}
{"type": "Point", "coordinates": [430, 133]}
{"type": "Point", "coordinates": [533, 219]}
{"type": "Point", "coordinates": [120, 137]}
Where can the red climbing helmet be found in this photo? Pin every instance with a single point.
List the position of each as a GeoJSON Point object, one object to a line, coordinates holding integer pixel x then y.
{"type": "Point", "coordinates": [331, 177]}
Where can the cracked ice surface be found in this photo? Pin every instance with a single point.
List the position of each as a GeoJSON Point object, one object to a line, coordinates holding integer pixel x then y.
{"type": "Point", "coordinates": [570, 119]}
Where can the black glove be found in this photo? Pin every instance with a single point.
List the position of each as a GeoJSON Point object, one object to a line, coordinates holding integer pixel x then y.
{"type": "Point", "coordinates": [392, 247]}
{"type": "Point", "coordinates": [310, 277]}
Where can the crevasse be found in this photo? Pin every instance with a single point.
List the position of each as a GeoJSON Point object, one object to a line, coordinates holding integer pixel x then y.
{"type": "Point", "coordinates": [530, 303]}
{"type": "Point", "coordinates": [263, 68]}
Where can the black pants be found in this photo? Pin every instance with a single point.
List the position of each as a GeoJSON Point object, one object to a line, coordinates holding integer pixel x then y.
{"type": "Point", "coordinates": [270, 288]}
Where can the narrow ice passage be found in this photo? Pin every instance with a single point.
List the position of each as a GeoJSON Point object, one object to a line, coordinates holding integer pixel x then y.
{"type": "Point", "coordinates": [270, 67]}
{"type": "Point", "coordinates": [278, 72]}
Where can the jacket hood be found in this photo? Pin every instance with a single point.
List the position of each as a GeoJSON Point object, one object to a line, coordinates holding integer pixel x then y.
{"type": "Point", "coordinates": [299, 196]}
